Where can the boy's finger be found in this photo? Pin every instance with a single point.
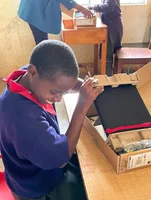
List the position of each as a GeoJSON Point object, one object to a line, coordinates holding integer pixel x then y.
{"type": "Point", "coordinates": [92, 84]}
{"type": "Point", "coordinates": [88, 81]}
{"type": "Point", "coordinates": [95, 81]}
{"type": "Point", "coordinates": [92, 81]}
{"type": "Point", "coordinates": [96, 90]}
{"type": "Point", "coordinates": [86, 78]}
{"type": "Point", "coordinates": [99, 89]}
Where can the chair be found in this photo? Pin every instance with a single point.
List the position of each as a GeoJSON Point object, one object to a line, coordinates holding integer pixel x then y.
{"type": "Point", "coordinates": [131, 56]}
{"type": "Point", "coordinates": [5, 193]}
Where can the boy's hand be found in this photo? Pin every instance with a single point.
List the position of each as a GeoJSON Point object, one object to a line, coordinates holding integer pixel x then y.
{"type": "Point", "coordinates": [87, 13]}
{"type": "Point", "coordinates": [91, 7]}
{"type": "Point", "coordinates": [88, 93]}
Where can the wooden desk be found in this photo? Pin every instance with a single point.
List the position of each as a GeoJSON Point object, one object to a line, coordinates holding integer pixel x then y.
{"type": "Point", "coordinates": [100, 180]}
{"type": "Point", "coordinates": [95, 35]}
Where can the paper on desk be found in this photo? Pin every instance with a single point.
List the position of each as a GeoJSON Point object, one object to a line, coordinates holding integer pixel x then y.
{"type": "Point", "coordinates": [101, 131]}
{"type": "Point", "coordinates": [93, 119]}
{"type": "Point", "coordinates": [70, 103]}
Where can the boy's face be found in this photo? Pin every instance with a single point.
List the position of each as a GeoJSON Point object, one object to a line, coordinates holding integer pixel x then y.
{"type": "Point", "coordinates": [49, 91]}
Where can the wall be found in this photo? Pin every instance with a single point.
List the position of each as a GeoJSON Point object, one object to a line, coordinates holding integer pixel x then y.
{"type": "Point", "coordinates": [16, 38]}
{"type": "Point", "coordinates": [137, 22]}
{"type": "Point", "coordinates": [17, 41]}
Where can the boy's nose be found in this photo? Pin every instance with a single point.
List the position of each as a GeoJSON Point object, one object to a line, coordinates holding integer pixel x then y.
{"type": "Point", "coordinates": [57, 98]}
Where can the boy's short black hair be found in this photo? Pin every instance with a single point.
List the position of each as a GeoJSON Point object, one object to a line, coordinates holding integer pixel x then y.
{"type": "Point", "coordinates": [52, 58]}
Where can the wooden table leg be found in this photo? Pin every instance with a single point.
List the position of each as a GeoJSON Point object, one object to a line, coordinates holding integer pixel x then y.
{"type": "Point", "coordinates": [96, 59]}
{"type": "Point", "coordinates": [115, 65]}
{"type": "Point", "coordinates": [119, 66]}
{"type": "Point", "coordinates": [103, 58]}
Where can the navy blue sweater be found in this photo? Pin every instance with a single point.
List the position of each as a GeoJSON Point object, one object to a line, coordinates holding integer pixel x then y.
{"type": "Point", "coordinates": [31, 146]}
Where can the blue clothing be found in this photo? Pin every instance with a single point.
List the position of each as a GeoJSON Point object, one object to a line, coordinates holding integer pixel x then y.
{"type": "Point", "coordinates": [110, 13]}
{"type": "Point", "coordinates": [44, 14]}
{"type": "Point", "coordinates": [31, 146]}
{"type": "Point", "coordinates": [39, 35]}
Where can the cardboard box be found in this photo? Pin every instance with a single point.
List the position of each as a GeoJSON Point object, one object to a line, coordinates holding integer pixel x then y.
{"type": "Point", "coordinates": [128, 161]}
{"type": "Point", "coordinates": [81, 21]}
{"type": "Point", "coordinates": [75, 20]}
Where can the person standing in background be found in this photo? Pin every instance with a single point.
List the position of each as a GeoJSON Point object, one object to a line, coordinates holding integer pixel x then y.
{"type": "Point", "coordinates": [110, 14]}
{"type": "Point", "coordinates": [44, 16]}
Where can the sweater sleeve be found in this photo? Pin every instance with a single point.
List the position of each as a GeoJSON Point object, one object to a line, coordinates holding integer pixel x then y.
{"type": "Point", "coordinates": [37, 141]}
{"type": "Point", "coordinates": [106, 7]}
{"type": "Point", "coordinates": [69, 4]}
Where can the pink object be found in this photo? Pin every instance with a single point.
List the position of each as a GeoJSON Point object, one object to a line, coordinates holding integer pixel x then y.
{"type": "Point", "coordinates": [5, 193]}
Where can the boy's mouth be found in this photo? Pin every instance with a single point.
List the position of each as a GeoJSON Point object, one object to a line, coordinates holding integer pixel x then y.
{"type": "Point", "coordinates": [49, 102]}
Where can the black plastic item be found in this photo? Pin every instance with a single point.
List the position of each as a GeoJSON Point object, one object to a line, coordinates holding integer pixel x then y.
{"type": "Point", "coordinates": [122, 109]}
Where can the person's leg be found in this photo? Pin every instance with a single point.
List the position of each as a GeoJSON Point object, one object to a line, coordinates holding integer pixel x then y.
{"type": "Point", "coordinates": [71, 186]}
{"type": "Point", "coordinates": [16, 197]}
{"type": "Point", "coordinates": [74, 160]}
{"type": "Point", "coordinates": [109, 59]}
{"type": "Point", "coordinates": [109, 56]}
{"type": "Point", "coordinates": [38, 34]}
{"type": "Point", "coordinates": [118, 40]}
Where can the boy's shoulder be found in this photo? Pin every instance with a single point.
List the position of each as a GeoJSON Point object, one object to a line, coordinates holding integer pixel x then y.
{"type": "Point", "coordinates": [17, 106]}
{"type": "Point", "coordinates": [13, 101]}
{"type": "Point", "coordinates": [16, 98]}
{"type": "Point", "coordinates": [17, 109]}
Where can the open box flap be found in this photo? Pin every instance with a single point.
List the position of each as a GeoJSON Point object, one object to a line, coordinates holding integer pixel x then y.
{"type": "Point", "coordinates": [102, 145]}
{"type": "Point", "coordinates": [144, 75]}
{"type": "Point", "coordinates": [117, 79]}
{"type": "Point", "coordinates": [144, 85]}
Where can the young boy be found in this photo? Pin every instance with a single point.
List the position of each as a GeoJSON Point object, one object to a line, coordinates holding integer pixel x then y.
{"type": "Point", "coordinates": [44, 16]}
{"type": "Point", "coordinates": [34, 153]}
{"type": "Point", "coordinates": [110, 14]}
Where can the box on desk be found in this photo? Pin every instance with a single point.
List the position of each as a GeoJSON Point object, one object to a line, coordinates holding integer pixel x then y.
{"type": "Point", "coordinates": [127, 161]}
{"type": "Point", "coordinates": [76, 19]}
{"type": "Point", "coordinates": [80, 21]}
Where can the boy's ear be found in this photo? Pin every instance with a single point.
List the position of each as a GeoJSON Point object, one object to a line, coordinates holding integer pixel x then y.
{"type": "Point", "coordinates": [32, 71]}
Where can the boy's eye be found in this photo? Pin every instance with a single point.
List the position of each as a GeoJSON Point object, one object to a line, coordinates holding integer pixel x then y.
{"type": "Point", "coordinates": [55, 92]}
{"type": "Point", "coordinates": [52, 92]}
